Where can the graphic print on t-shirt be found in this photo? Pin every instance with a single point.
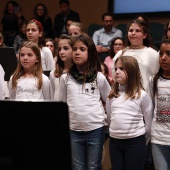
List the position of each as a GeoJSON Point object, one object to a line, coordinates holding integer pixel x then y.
{"type": "Point", "coordinates": [163, 106]}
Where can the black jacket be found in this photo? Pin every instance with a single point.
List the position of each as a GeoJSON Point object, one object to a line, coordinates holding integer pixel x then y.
{"type": "Point", "coordinates": [59, 22]}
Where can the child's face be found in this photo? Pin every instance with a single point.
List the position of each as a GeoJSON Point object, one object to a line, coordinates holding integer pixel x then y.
{"type": "Point", "coordinates": [73, 30]}
{"type": "Point", "coordinates": [33, 33]}
{"type": "Point", "coordinates": [120, 73]}
{"type": "Point", "coordinates": [164, 58]}
{"type": "Point", "coordinates": [136, 35]}
{"type": "Point", "coordinates": [64, 50]}
{"type": "Point", "coordinates": [50, 45]}
{"type": "Point", "coordinates": [80, 53]}
{"type": "Point", "coordinates": [28, 58]}
{"type": "Point", "coordinates": [23, 28]}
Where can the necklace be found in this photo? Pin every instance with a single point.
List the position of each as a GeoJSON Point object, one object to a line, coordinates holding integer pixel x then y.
{"type": "Point", "coordinates": [137, 47]}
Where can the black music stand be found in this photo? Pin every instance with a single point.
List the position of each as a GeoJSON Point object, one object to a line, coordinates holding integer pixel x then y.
{"type": "Point", "coordinates": [34, 135]}
{"type": "Point", "coordinates": [8, 61]}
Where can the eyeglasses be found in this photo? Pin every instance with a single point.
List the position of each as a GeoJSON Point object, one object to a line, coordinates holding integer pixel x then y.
{"type": "Point", "coordinates": [116, 44]}
{"type": "Point", "coordinates": [40, 9]}
{"type": "Point", "coordinates": [168, 29]}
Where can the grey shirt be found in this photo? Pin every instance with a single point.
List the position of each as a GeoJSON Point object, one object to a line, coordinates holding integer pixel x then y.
{"type": "Point", "coordinates": [100, 37]}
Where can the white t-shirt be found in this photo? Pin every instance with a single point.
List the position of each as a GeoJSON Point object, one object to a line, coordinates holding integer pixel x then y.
{"type": "Point", "coordinates": [47, 59]}
{"type": "Point", "coordinates": [160, 129]}
{"type": "Point", "coordinates": [86, 111]}
{"type": "Point", "coordinates": [2, 83]}
{"type": "Point", "coordinates": [27, 89]}
{"type": "Point", "coordinates": [126, 117]}
{"type": "Point", "coordinates": [54, 81]}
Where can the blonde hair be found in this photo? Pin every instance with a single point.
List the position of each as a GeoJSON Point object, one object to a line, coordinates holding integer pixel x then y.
{"type": "Point", "coordinates": [78, 25]}
{"type": "Point", "coordinates": [134, 85]}
{"type": "Point", "coordinates": [37, 69]}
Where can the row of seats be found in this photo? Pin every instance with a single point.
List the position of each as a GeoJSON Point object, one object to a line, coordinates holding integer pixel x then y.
{"type": "Point", "coordinates": [156, 30]}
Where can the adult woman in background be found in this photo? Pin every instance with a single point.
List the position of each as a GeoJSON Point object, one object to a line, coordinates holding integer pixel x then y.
{"type": "Point", "coordinates": [12, 16]}
{"type": "Point", "coordinates": [116, 45]}
{"type": "Point", "coordinates": [41, 15]}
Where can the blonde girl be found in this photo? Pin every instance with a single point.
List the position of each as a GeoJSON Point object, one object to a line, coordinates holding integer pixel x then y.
{"type": "Point", "coordinates": [75, 28]}
{"type": "Point", "coordinates": [28, 81]}
{"type": "Point", "coordinates": [129, 110]}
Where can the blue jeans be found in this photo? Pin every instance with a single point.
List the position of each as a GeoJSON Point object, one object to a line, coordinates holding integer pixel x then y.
{"type": "Point", "coordinates": [127, 154]}
{"type": "Point", "coordinates": [87, 148]}
{"type": "Point", "coordinates": [161, 156]}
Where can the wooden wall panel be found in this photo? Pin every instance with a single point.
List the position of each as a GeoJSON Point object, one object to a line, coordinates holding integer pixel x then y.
{"type": "Point", "coordinates": [90, 10]}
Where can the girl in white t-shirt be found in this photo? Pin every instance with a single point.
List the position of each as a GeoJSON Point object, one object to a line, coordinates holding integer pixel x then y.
{"type": "Point", "coordinates": [28, 80]}
{"type": "Point", "coordinates": [64, 61]}
{"type": "Point", "coordinates": [139, 46]}
{"type": "Point", "coordinates": [160, 91]}
{"type": "Point", "coordinates": [83, 88]}
{"type": "Point", "coordinates": [129, 110]}
{"type": "Point", "coordinates": [35, 33]}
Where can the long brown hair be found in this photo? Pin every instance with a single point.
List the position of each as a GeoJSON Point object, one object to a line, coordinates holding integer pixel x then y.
{"type": "Point", "coordinates": [41, 41]}
{"type": "Point", "coordinates": [36, 71]}
{"type": "Point", "coordinates": [93, 61]}
{"type": "Point", "coordinates": [59, 66]}
{"type": "Point", "coordinates": [160, 72]}
{"type": "Point", "coordinates": [111, 51]}
{"type": "Point", "coordinates": [134, 84]}
{"type": "Point", "coordinates": [143, 25]}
